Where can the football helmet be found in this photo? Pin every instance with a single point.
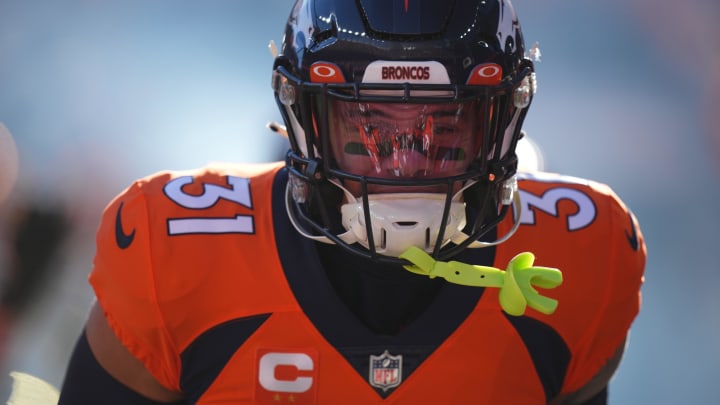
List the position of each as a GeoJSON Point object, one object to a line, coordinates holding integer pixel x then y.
{"type": "Point", "coordinates": [403, 118]}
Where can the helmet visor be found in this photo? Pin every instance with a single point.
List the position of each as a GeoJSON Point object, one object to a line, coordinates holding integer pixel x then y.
{"type": "Point", "coordinates": [405, 140]}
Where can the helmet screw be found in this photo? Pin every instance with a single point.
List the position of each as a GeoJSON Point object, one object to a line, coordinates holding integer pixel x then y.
{"type": "Point", "coordinates": [287, 94]}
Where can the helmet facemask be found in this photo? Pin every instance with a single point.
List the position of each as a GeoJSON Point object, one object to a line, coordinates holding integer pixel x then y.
{"type": "Point", "coordinates": [387, 167]}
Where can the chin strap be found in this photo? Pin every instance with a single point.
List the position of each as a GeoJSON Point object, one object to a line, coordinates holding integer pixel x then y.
{"type": "Point", "coordinates": [516, 284]}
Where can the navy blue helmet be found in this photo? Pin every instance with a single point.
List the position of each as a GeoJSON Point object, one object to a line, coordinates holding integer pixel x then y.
{"type": "Point", "coordinates": [403, 117]}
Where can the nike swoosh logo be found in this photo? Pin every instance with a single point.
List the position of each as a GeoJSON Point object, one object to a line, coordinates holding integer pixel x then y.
{"type": "Point", "coordinates": [632, 236]}
{"type": "Point", "coordinates": [123, 240]}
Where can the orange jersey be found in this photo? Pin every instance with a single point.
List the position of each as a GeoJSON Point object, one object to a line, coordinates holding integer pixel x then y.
{"type": "Point", "coordinates": [202, 276]}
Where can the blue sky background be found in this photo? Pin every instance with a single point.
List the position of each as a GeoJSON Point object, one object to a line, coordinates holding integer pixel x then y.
{"type": "Point", "coordinates": [97, 93]}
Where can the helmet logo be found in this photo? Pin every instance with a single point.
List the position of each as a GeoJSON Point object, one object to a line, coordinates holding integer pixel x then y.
{"type": "Point", "coordinates": [325, 72]}
{"type": "Point", "coordinates": [487, 74]}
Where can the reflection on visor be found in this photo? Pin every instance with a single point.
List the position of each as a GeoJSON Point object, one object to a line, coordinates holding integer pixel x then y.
{"type": "Point", "coordinates": [404, 140]}
{"type": "Point", "coordinates": [386, 149]}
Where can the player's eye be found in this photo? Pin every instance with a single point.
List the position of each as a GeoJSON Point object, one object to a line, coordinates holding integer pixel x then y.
{"type": "Point", "coordinates": [443, 130]}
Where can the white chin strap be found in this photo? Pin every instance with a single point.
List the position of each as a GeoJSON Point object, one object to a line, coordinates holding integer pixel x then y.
{"type": "Point", "coordinates": [402, 220]}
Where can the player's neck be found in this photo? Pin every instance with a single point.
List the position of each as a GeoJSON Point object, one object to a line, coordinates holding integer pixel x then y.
{"type": "Point", "coordinates": [384, 297]}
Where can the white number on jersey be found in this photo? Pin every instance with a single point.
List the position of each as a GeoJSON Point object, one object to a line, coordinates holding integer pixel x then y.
{"type": "Point", "coordinates": [548, 203]}
{"type": "Point", "coordinates": [238, 192]}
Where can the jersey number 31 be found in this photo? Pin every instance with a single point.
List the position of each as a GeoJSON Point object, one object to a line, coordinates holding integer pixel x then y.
{"type": "Point", "coordinates": [238, 191]}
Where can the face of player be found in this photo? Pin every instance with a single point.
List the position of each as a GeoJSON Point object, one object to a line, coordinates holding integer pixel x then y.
{"type": "Point", "coordinates": [404, 141]}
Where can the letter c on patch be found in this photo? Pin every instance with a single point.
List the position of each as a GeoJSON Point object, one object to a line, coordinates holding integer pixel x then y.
{"type": "Point", "coordinates": [271, 361]}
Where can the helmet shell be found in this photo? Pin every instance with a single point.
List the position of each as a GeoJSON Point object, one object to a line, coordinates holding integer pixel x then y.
{"type": "Point", "coordinates": [460, 34]}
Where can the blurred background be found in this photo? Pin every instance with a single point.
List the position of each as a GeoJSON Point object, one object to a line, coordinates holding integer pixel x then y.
{"type": "Point", "coordinates": [97, 93]}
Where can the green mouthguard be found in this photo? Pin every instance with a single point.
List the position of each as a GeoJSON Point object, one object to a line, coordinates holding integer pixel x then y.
{"type": "Point", "coordinates": [517, 283]}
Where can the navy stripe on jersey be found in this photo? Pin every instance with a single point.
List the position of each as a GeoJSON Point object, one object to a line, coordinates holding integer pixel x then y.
{"type": "Point", "coordinates": [549, 352]}
{"type": "Point", "coordinates": [87, 382]}
{"type": "Point", "coordinates": [208, 355]}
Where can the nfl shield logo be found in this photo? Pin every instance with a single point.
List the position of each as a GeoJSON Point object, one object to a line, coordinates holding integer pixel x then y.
{"type": "Point", "coordinates": [385, 371]}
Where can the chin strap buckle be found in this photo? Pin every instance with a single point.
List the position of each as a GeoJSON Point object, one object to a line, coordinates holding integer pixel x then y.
{"type": "Point", "coordinates": [517, 283]}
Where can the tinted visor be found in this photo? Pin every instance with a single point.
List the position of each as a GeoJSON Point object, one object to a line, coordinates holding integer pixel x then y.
{"type": "Point", "coordinates": [405, 140]}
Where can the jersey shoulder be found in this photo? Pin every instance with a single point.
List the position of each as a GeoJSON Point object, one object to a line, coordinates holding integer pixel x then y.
{"type": "Point", "coordinates": [187, 214]}
{"type": "Point", "coordinates": [194, 182]}
{"type": "Point", "coordinates": [581, 222]}
{"type": "Point", "coordinates": [586, 230]}
{"type": "Point", "coordinates": [575, 204]}
{"type": "Point", "coordinates": [219, 199]}
{"type": "Point", "coordinates": [175, 248]}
